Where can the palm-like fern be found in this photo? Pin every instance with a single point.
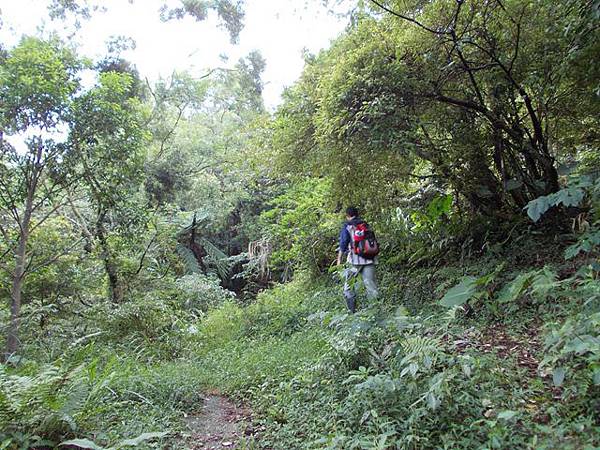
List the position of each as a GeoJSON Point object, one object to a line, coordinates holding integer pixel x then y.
{"type": "Point", "coordinates": [217, 257]}
{"type": "Point", "coordinates": [420, 346]}
{"type": "Point", "coordinates": [189, 259]}
{"type": "Point", "coordinates": [214, 255]}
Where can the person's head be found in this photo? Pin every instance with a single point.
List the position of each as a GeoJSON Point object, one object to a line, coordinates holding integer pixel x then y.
{"type": "Point", "coordinates": [351, 212]}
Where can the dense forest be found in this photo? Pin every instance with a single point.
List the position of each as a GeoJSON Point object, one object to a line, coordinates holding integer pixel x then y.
{"type": "Point", "coordinates": [168, 247]}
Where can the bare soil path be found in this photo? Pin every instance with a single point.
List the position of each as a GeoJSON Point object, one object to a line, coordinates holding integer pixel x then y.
{"type": "Point", "coordinates": [220, 425]}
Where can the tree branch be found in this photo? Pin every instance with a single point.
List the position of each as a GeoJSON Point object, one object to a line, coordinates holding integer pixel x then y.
{"type": "Point", "coordinates": [172, 130]}
{"type": "Point", "coordinates": [141, 265]}
{"type": "Point", "coordinates": [55, 258]}
{"type": "Point", "coordinates": [408, 19]}
{"type": "Point", "coordinates": [46, 216]}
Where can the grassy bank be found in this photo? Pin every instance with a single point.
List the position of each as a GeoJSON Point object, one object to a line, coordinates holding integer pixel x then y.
{"type": "Point", "coordinates": [516, 366]}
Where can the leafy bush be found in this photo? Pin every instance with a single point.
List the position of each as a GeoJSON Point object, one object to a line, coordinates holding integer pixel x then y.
{"type": "Point", "coordinates": [201, 292]}
{"type": "Point", "coordinates": [302, 227]}
{"type": "Point", "coordinates": [41, 406]}
{"type": "Point", "coordinates": [150, 327]}
{"type": "Point", "coordinates": [280, 311]}
{"type": "Point", "coordinates": [45, 402]}
{"type": "Point", "coordinates": [573, 348]}
{"type": "Point", "coordinates": [579, 190]}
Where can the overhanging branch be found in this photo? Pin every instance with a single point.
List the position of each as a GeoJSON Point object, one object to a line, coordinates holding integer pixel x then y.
{"type": "Point", "coordinates": [408, 19]}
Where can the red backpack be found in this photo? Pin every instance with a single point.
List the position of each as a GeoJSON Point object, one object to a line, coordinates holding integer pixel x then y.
{"type": "Point", "coordinates": [364, 242]}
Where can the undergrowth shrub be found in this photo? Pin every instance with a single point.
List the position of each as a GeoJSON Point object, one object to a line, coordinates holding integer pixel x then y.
{"type": "Point", "coordinates": [149, 327]}
{"type": "Point", "coordinates": [300, 225]}
{"type": "Point", "coordinates": [385, 378]}
{"type": "Point", "coordinates": [221, 326]}
{"type": "Point", "coordinates": [46, 400]}
{"type": "Point", "coordinates": [40, 406]}
{"type": "Point", "coordinates": [280, 311]}
{"type": "Point", "coordinates": [572, 350]}
{"type": "Point", "coordinates": [201, 292]}
{"type": "Point", "coordinates": [92, 394]}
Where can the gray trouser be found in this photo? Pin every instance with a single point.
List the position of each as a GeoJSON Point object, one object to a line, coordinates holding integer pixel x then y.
{"type": "Point", "coordinates": [351, 286]}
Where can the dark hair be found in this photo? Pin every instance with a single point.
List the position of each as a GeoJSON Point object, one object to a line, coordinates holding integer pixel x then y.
{"type": "Point", "coordinates": [351, 211]}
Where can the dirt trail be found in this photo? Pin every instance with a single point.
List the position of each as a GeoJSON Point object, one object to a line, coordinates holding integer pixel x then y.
{"type": "Point", "coordinates": [496, 339]}
{"type": "Point", "coordinates": [218, 426]}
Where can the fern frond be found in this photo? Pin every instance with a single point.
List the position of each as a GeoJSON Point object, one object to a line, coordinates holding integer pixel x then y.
{"type": "Point", "coordinates": [189, 259]}
{"type": "Point", "coordinates": [420, 349]}
{"type": "Point", "coordinates": [77, 395]}
{"type": "Point", "coordinates": [217, 257]}
{"type": "Point", "coordinates": [419, 345]}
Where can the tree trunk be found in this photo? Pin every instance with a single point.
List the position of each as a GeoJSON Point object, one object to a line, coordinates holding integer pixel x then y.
{"type": "Point", "coordinates": [12, 340]}
{"type": "Point", "coordinates": [114, 281]}
{"type": "Point", "coordinates": [115, 284]}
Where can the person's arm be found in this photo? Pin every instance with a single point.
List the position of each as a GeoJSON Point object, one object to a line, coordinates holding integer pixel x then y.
{"type": "Point", "coordinates": [344, 241]}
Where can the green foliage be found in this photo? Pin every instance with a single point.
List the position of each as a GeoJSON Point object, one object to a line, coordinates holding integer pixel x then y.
{"type": "Point", "coordinates": [217, 258]}
{"type": "Point", "coordinates": [230, 12]}
{"type": "Point", "coordinates": [135, 442]}
{"type": "Point", "coordinates": [36, 83]}
{"type": "Point", "coordinates": [440, 120]}
{"type": "Point", "coordinates": [386, 95]}
{"type": "Point", "coordinates": [100, 402]}
{"type": "Point", "coordinates": [53, 401]}
{"type": "Point", "coordinates": [425, 227]}
{"type": "Point", "coordinates": [534, 288]}
{"type": "Point", "coordinates": [573, 347]}
{"type": "Point", "coordinates": [189, 259]}
{"type": "Point", "coordinates": [566, 197]}
{"type": "Point", "coordinates": [587, 242]}
{"type": "Point", "coordinates": [573, 195]}
{"type": "Point", "coordinates": [150, 327]}
{"type": "Point", "coordinates": [63, 278]}
{"type": "Point", "coordinates": [471, 288]}
{"type": "Point", "coordinates": [302, 227]}
{"type": "Point", "coordinates": [201, 292]}
{"type": "Point", "coordinates": [383, 378]}
{"type": "Point", "coordinates": [461, 293]}
{"type": "Point", "coordinates": [539, 284]}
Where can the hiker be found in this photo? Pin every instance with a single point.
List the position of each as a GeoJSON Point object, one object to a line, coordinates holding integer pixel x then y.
{"type": "Point", "coordinates": [361, 247]}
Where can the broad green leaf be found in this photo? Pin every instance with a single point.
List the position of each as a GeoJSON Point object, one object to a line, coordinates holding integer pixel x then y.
{"type": "Point", "coordinates": [83, 443]}
{"type": "Point", "coordinates": [569, 196]}
{"type": "Point", "coordinates": [507, 415]}
{"type": "Point", "coordinates": [535, 208]}
{"type": "Point", "coordinates": [582, 344]}
{"type": "Point", "coordinates": [485, 280]}
{"type": "Point", "coordinates": [461, 293]}
{"type": "Point", "coordinates": [558, 376]}
{"type": "Point", "coordinates": [544, 283]}
{"type": "Point", "coordinates": [141, 438]}
{"type": "Point", "coordinates": [513, 290]}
